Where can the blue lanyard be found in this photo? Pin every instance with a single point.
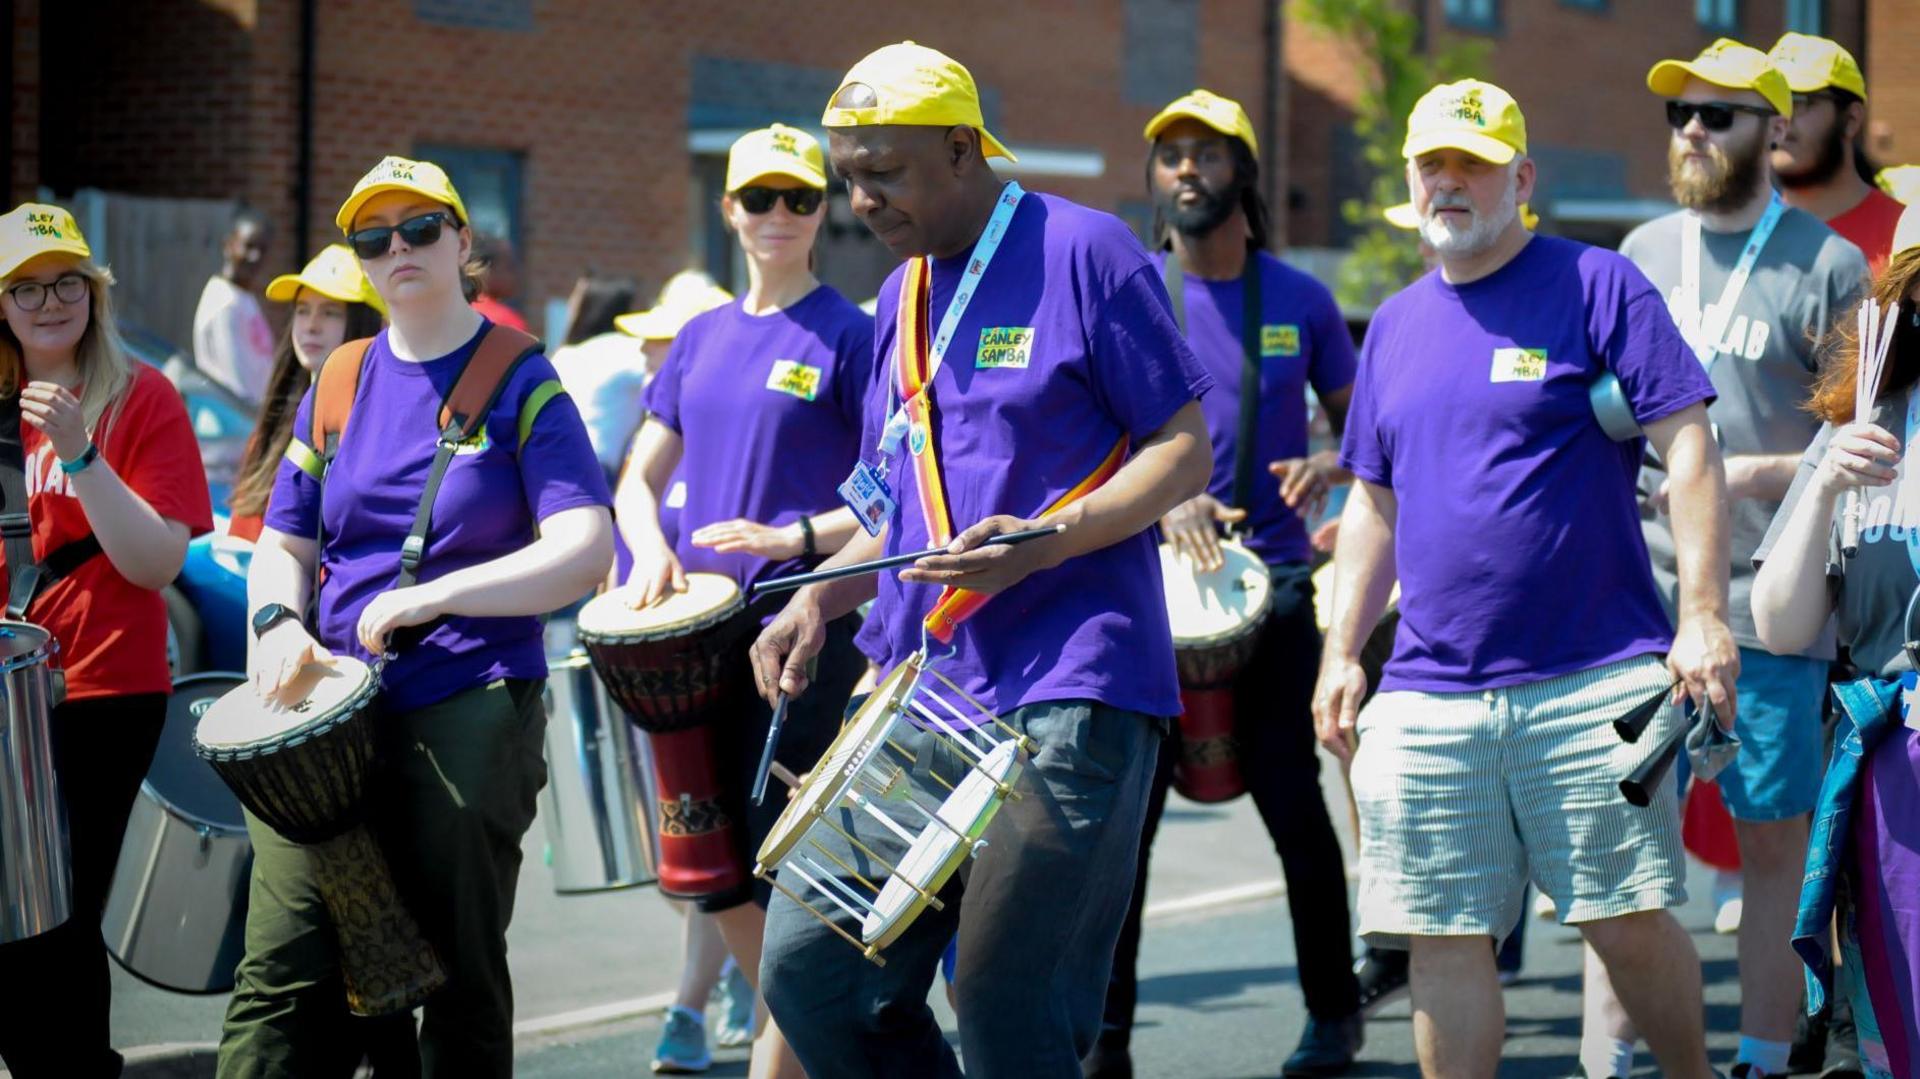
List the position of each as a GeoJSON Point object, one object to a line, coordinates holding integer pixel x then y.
{"type": "Point", "coordinates": [1706, 341]}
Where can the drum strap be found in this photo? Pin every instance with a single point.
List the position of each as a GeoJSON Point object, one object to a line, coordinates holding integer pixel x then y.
{"type": "Point", "coordinates": [955, 605]}
{"type": "Point", "coordinates": [1176, 280]}
{"type": "Point", "coordinates": [28, 576]}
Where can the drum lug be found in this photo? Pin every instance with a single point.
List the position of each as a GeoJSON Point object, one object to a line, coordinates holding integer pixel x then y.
{"type": "Point", "coordinates": [206, 837]}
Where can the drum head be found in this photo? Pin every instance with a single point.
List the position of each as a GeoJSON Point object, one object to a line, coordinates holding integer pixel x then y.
{"type": "Point", "coordinates": [709, 598]}
{"type": "Point", "coordinates": [1208, 608]}
{"type": "Point", "coordinates": [938, 852]}
{"type": "Point", "coordinates": [241, 718]}
{"type": "Point", "coordinates": [179, 778]}
{"type": "Point", "coordinates": [19, 639]}
{"type": "Point", "coordinates": [1323, 596]}
{"type": "Point", "coordinates": [860, 740]}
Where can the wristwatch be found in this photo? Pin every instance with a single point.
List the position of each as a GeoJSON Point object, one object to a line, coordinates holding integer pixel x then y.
{"type": "Point", "coordinates": [269, 616]}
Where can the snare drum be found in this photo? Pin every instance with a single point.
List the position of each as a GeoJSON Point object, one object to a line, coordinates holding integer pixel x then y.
{"type": "Point", "coordinates": [1216, 619]}
{"type": "Point", "coordinates": [673, 667]}
{"type": "Point", "coordinates": [176, 916]}
{"type": "Point", "coordinates": [303, 772]}
{"type": "Point", "coordinates": [866, 771]}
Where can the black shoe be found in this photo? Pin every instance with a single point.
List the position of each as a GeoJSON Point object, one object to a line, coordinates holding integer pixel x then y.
{"type": "Point", "coordinates": [1809, 1053]}
{"type": "Point", "coordinates": [1327, 1047]}
{"type": "Point", "coordinates": [1109, 1058]}
{"type": "Point", "coordinates": [1382, 974]}
{"type": "Point", "coordinates": [1843, 1044]}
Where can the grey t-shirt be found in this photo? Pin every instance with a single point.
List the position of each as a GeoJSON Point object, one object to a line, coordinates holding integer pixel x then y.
{"type": "Point", "coordinates": [1805, 278]}
{"type": "Point", "coordinates": [1871, 589]}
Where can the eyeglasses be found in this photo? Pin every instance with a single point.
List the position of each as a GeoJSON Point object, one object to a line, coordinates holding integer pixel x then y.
{"type": "Point", "coordinates": [422, 231]}
{"type": "Point", "coordinates": [1801, 101]}
{"type": "Point", "coordinates": [1714, 115]}
{"type": "Point", "coordinates": [801, 200]}
{"type": "Point", "coordinates": [32, 295]}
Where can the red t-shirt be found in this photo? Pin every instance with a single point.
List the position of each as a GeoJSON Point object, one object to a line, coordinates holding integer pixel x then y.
{"type": "Point", "coordinates": [500, 313]}
{"type": "Point", "coordinates": [1869, 226]}
{"type": "Point", "coordinates": [113, 633]}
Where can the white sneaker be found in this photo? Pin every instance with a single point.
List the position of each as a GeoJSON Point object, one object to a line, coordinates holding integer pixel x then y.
{"type": "Point", "coordinates": [1543, 907]}
{"type": "Point", "coordinates": [1726, 920]}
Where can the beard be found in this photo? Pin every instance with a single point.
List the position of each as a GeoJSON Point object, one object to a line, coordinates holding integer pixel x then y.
{"type": "Point", "coordinates": [1202, 217]}
{"type": "Point", "coordinates": [1479, 234]}
{"type": "Point", "coordinates": [1726, 181]}
{"type": "Point", "coordinates": [1832, 155]}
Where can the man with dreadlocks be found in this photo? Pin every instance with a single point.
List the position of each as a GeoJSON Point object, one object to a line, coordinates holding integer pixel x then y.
{"type": "Point", "coordinates": [1210, 227]}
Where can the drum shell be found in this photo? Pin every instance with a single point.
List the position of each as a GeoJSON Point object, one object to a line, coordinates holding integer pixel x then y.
{"type": "Point", "coordinates": [598, 804]}
{"type": "Point", "coordinates": [1216, 663]}
{"type": "Point", "coordinates": [176, 914]}
{"type": "Point", "coordinates": [672, 683]}
{"type": "Point", "coordinates": [698, 854]}
{"type": "Point", "coordinates": [308, 796]}
{"type": "Point", "coordinates": [36, 875]}
{"type": "Point", "coordinates": [1208, 767]}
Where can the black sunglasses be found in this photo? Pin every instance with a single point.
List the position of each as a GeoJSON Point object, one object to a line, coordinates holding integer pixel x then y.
{"type": "Point", "coordinates": [32, 295]}
{"type": "Point", "coordinates": [1714, 115]}
{"type": "Point", "coordinates": [801, 200]}
{"type": "Point", "coordinates": [422, 231]}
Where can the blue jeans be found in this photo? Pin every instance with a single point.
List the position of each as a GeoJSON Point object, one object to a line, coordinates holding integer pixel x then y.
{"type": "Point", "coordinates": [1037, 913]}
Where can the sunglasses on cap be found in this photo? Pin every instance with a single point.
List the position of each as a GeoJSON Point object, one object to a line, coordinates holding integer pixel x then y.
{"type": "Point", "coordinates": [801, 200]}
{"type": "Point", "coordinates": [1714, 115]}
{"type": "Point", "coordinates": [422, 231]}
{"type": "Point", "coordinates": [32, 295]}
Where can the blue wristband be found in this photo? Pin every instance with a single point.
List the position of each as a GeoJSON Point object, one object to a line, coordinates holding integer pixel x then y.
{"type": "Point", "coordinates": [80, 463]}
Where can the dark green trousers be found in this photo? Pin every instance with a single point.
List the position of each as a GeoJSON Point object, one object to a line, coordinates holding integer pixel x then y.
{"type": "Point", "coordinates": [452, 796]}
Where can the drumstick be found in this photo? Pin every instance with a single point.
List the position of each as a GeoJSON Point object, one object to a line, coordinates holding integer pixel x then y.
{"type": "Point", "coordinates": [766, 755]}
{"type": "Point", "coordinates": [782, 584]}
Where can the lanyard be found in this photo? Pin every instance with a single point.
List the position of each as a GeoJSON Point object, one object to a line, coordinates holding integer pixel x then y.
{"type": "Point", "coordinates": [909, 380]}
{"type": "Point", "coordinates": [1899, 485]}
{"type": "Point", "coordinates": [1706, 339]}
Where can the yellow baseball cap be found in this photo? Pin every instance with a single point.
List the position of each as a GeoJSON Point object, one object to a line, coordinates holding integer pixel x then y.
{"type": "Point", "coordinates": [400, 174]}
{"type": "Point", "coordinates": [32, 229]}
{"type": "Point", "coordinates": [1726, 63]}
{"type": "Point", "coordinates": [1223, 114]}
{"type": "Point", "coordinates": [1906, 232]}
{"type": "Point", "coordinates": [686, 294]}
{"type": "Point", "coordinates": [1404, 216]}
{"type": "Point", "coordinates": [917, 86]}
{"type": "Point", "coordinates": [1469, 115]}
{"type": "Point", "coordinates": [333, 273]}
{"type": "Point", "coordinates": [1900, 181]}
{"type": "Point", "coordinates": [776, 151]}
{"type": "Point", "coordinates": [1815, 63]}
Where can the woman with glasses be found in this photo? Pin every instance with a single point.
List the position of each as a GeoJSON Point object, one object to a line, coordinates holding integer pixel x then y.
{"type": "Point", "coordinates": [520, 527]}
{"type": "Point", "coordinates": [1867, 864]}
{"type": "Point", "coordinates": [332, 304]}
{"type": "Point", "coordinates": [114, 490]}
{"type": "Point", "coordinates": [759, 404]}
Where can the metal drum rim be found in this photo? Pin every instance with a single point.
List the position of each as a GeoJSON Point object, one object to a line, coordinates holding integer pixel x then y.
{"type": "Point", "coordinates": [291, 737]}
{"type": "Point", "coordinates": [717, 617]}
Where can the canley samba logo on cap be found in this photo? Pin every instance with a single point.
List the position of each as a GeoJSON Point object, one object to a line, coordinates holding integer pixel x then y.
{"type": "Point", "coordinates": [1468, 107]}
{"type": "Point", "coordinates": [390, 168]}
{"type": "Point", "coordinates": [51, 225]}
{"type": "Point", "coordinates": [783, 141]}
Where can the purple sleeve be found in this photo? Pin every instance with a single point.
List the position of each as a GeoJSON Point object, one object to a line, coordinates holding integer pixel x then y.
{"type": "Point", "coordinates": [880, 389]}
{"type": "Point", "coordinates": [294, 507]}
{"type": "Point", "coordinates": [854, 369]}
{"type": "Point", "coordinates": [1331, 366]}
{"type": "Point", "coordinates": [663, 393]}
{"type": "Point", "coordinates": [558, 468]}
{"type": "Point", "coordinates": [1643, 348]}
{"type": "Point", "coordinates": [1361, 449]}
{"type": "Point", "coordinates": [1143, 371]}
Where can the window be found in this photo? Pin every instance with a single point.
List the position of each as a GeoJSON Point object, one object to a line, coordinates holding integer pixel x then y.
{"type": "Point", "coordinates": [1722, 15]}
{"type": "Point", "coordinates": [1477, 14]}
{"type": "Point", "coordinates": [1589, 5]}
{"type": "Point", "coordinates": [1160, 58]}
{"type": "Point", "coordinates": [1807, 16]}
{"type": "Point", "coordinates": [488, 182]}
{"type": "Point", "coordinates": [477, 14]}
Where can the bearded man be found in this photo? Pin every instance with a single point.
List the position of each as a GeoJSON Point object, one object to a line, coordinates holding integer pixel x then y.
{"type": "Point", "coordinates": [1819, 163]}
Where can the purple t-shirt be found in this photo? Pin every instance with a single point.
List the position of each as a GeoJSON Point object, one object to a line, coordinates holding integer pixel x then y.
{"type": "Point", "coordinates": [496, 489]}
{"type": "Point", "coordinates": [1303, 339]}
{"type": "Point", "coordinates": [1518, 539]}
{"type": "Point", "coordinates": [1067, 346]}
{"type": "Point", "coordinates": [768, 409]}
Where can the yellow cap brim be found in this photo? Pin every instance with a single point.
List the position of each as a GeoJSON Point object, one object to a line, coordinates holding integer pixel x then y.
{"type": "Point", "coordinates": [1485, 147]}
{"type": "Point", "coordinates": [1668, 78]}
{"type": "Point", "coordinates": [653, 324]}
{"type": "Point", "coordinates": [56, 247]}
{"type": "Point", "coordinates": [1403, 216]}
{"type": "Point", "coordinates": [344, 219]}
{"type": "Point", "coordinates": [796, 171]}
{"type": "Point", "coordinates": [1166, 119]}
{"type": "Point", "coordinates": [284, 288]}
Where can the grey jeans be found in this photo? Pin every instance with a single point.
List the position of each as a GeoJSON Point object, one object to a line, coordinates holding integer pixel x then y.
{"type": "Point", "coordinates": [1037, 913]}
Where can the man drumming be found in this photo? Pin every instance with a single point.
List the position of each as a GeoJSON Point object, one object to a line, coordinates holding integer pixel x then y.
{"type": "Point", "coordinates": [1203, 176]}
{"type": "Point", "coordinates": [1529, 616]}
{"type": "Point", "coordinates": [1055, 365]}
{"type": "Point", "coordinates": [1753, 285]}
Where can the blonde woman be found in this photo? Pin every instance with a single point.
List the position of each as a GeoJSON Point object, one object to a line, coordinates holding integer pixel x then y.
{"type": "Point", "coordinates": [110, 464]}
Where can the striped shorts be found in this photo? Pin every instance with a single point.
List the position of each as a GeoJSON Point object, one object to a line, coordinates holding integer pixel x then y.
{"type": "Point", "coordinates": [1464, 797]}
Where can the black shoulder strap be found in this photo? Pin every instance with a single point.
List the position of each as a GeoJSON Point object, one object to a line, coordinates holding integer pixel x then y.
{"type": "Point", "coordinates": [1176, 281]}
{"type": "Point", "coordinates": [27, 576]}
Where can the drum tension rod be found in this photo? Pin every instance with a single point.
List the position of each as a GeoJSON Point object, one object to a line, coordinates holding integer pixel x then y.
{"type": "Point", "coordinates": [893, 871]}
{"type": "Point", "coordinates": [852, 872]}
{"type": "Point", "coordinates": [865, 949]}
{"type": "Point", "coordinates": [1019, 737]}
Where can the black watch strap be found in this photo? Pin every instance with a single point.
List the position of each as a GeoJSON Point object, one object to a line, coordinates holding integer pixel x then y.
{"type": "Point", "coordinates": [270, 616]}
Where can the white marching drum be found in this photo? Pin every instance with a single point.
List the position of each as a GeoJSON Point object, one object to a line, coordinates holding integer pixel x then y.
{"type": "Point", "coordinates": [866, 771]}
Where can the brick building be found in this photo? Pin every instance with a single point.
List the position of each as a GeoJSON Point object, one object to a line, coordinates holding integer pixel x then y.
{"type": "Point", "coordinates": [594, 131]}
